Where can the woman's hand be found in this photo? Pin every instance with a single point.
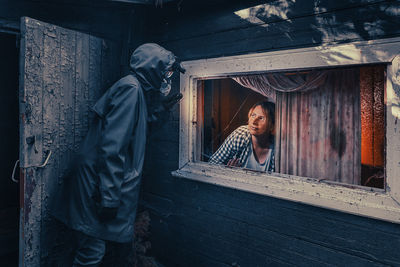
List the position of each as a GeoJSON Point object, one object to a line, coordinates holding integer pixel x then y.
{"type": "Point", "coordinates": [233, 163]}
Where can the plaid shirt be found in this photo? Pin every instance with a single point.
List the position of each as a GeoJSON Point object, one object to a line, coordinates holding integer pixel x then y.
{"type": "Point", "coordinates": [237, 145]}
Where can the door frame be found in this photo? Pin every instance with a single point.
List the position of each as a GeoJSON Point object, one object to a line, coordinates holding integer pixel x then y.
{"type": "Point", "coordinates": [13, 28]}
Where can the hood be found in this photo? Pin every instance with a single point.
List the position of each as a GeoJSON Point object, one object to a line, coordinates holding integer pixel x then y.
{"type": "Point", "coordinates": [150, 62]}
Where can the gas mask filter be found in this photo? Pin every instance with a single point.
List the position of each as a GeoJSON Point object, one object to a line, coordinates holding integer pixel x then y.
{"type": "Point", "coordinates": [165, 87]}
{"type": "Point", "coordinates": [166, 83]}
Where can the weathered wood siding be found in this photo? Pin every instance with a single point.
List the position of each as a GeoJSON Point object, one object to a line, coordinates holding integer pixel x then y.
{"type": "Point", "coordinates": [196, 224]}
{"type": "Point", "coordinates": [106, 20]}
{"type": "Point", "coordinates": [201, 31]}
{"type": "Point", "coordinates": [62, 73]}
{"type": "Point", "coordinates": [118, 22]}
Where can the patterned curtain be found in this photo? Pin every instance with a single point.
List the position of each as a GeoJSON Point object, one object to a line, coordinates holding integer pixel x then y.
{"type": "Point", "coordinates": [372, 82]}
{"type": "Point", "coordinates": [318, 131]}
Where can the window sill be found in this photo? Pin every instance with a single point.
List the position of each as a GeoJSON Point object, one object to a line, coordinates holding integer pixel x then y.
{"type": "Point", "coordinates": [358, 200]}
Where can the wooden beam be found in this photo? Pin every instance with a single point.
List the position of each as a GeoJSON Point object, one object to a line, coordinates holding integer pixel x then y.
{"type": "Point", "coordinates": [143, 2]}
{"type": "Point", "coordinates": [9, 26]}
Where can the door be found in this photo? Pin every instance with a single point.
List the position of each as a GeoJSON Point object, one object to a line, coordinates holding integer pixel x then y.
{"type": "Point", "coordinates": [62, 73]}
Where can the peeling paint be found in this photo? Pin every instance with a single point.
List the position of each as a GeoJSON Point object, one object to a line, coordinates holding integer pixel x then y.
{"type": "Point", "coordinates": [59, 85]}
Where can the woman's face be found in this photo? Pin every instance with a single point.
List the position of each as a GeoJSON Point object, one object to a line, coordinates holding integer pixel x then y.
{"type": "Point", "coordinates": [258, 122]}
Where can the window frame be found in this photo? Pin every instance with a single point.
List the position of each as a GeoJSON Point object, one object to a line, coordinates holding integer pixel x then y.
{"type": "Point", "coordinates": [375, 203]}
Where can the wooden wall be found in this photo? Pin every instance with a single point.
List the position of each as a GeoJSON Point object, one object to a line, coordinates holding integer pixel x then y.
{"type": "Point", "coordinates": [214, 29]}
{"type": "Point", "coordinates": [117, 22]}
{"type": "Point", "coordinates": [196, 224]}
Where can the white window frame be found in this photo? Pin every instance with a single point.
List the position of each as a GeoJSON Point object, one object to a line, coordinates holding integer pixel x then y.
{"type": "Point", "coordinates": [381, 204]}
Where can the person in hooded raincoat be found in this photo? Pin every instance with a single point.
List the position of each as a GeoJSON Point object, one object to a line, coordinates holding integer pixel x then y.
{"type": "Point", "coordinates": [99, 198]}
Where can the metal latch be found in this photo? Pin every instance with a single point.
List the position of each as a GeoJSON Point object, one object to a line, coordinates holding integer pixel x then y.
{"type": "Point", "coordinates": [36, 166]}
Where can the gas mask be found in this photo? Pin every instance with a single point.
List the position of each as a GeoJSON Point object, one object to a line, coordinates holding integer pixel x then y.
{"type": "Point", "coordinates": [166, 83]}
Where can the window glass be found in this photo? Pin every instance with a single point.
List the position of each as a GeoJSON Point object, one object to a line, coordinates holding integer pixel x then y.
{"type": "Point", "coordinates": [328, 124]}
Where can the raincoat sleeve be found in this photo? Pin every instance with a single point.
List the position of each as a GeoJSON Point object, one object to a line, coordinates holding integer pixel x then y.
{"type": "Point", "coordinates": [118, 127]}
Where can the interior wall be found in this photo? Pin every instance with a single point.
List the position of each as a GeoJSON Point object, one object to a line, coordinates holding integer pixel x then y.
{"type": "Point", "coordinates": [226, 104]}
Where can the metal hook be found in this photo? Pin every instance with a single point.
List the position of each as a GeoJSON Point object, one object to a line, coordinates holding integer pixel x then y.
{"type": "Point", "coordinates": [13, 173]}
{"type": "Point", "coordinates": [46, 161]}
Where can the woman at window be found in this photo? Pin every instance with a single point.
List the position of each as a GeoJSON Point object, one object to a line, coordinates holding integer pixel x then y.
{"type": "Point", "coordinates": [251, 146]}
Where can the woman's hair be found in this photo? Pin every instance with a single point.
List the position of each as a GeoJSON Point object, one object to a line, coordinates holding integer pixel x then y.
{"type": "Point", "coordinates": [268, 108]}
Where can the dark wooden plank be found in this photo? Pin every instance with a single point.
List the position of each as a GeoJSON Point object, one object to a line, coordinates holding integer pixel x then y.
{"type": "Point", "coordinates": [180, 25]}
{"type": "Point", "coordinates": [30, 219]}
{"type": "Point", "coordinates": [239, 247]}
{"type": "Point", "coordinates": [30, 91]}
{"type": "Point", "coordinates": [67, 79]}
{"type": "Point", "coordinates": [206, 248]}
{"type": "Point", "coordinates": [51, 117]}
{"type": "Point", "coordinates": [257, 237]}
{"type": "Point", "coordinates": [163, 150]}
{"type": "Point", "coordinates": [262, 241]}
{"type": "Point", "coordinates": [55, 248]}
{"type": "Point", "coordinates": [81, 112]}
{"type": "Point", "coordinates": [95, 64]}
{"type": "Point", "coordinates": [31, 99]}
{"type": "Point", "coordinates": [97, 18]}
{"type": "Point", "coordinates": [168, 132]}
{"type": "Point", "coordinates": [308, 223]}
{"type": "Point", "coordinates": [110, 68]}
{"type": "Point", "coordinates": [143, 2]}
{"type": "Point", "coordinates": [165, 245]}
{"type": "Point", "coordinates": [150, 177]}
{"type": "Point", "coordinates": [341, 26]}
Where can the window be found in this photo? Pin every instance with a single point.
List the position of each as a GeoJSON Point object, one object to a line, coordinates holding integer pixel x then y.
{"type": "Point", "coordinates": [330, 125]}
{"type": "Point", "coordinates": [352, 114]}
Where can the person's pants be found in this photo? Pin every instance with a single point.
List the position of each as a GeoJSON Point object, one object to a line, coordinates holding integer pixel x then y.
{"type": "Point", "coordinates": [90, 251]}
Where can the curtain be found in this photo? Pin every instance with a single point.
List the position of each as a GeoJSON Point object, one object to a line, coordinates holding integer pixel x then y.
{"type": "Point", "coordinates": [317, 122]}
{"type": "Point", "coordinates": [372, 82]}
{"type": "Point", "coordinates": [319, 130]}
{"type": "Point", "coordinates": [269, 84]}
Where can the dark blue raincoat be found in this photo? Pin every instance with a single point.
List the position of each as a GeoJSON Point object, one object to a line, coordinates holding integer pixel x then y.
{"type": "Point", "coordinates": [108, 167]}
